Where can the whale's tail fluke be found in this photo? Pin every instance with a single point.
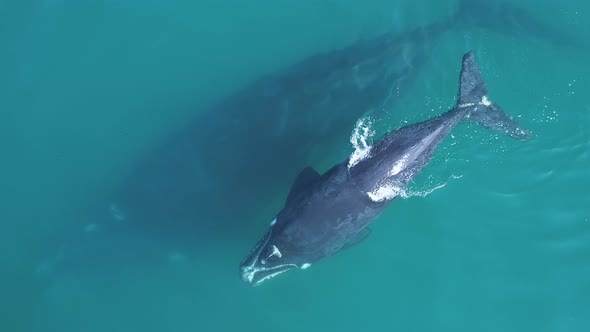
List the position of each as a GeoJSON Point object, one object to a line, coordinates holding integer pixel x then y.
{"type": "Point", "coordinates": [473, 94]}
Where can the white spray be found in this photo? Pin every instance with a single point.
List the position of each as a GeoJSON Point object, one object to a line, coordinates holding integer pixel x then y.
{"type": "Point", "coordinates": [362, 132]}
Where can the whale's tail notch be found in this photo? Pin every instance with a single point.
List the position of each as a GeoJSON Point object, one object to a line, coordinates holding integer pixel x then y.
{"type": "Point", "coordinates": [473, 93]}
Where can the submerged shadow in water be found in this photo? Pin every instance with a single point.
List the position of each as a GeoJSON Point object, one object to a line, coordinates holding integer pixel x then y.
{"type": "Point", "coordinates": [212, 178]}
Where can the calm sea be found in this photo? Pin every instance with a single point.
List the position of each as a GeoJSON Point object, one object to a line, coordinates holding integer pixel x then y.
{"type": "Point", "coordinates": [90, 87]}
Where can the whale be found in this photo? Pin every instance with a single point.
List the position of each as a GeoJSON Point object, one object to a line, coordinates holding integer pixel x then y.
{"type": "Point", "coordinates": [226, 165]}
{"type": "Point", "coordinates": [233, 152]}
{"type": "Point", "coordinates": [325, 213]}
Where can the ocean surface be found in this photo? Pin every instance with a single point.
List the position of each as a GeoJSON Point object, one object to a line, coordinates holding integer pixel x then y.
{"type": "Point", "coordinates": [146, 145]}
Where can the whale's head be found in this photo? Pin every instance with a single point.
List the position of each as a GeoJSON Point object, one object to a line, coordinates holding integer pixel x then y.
{"type": "Point", "coordinates": [274, 254]}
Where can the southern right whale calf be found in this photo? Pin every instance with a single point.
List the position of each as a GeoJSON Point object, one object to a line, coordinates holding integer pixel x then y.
{"type": "Point", "coordinates": [326, 213]}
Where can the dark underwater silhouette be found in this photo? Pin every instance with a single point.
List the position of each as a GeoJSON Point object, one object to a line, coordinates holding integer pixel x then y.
{"type": "Point", "coordinates": [212, 177]}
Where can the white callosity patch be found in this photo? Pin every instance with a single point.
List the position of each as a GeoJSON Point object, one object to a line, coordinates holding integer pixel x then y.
{"type": "Point", "coordinates": [275, 252]}
{"type": "Point", "coordinates": [484, 101]}
{"type": "Point", "coordinates": [249, 270]}
{"type": "Point", "coordinates": [269, 276]}
{"type": "Point", "coordinates": [466, 105]}
{"type": "Point", "coordinates": [361, 133]}
{"type": "Point", "coordinates": [277, 270]}
{"type": "Point", "coordinates": [250, 276]}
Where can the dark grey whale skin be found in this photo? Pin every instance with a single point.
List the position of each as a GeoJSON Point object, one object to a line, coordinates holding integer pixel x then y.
{"type": "Point", "coordinates": [324, 213]}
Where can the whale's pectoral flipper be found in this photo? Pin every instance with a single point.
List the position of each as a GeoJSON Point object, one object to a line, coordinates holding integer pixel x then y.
{"type": "Point", "coordinates": [306, 178]}
{"type": "Point", "coordinates": [358, 238]}
{"type": "Point", "coordinates": [473, 93]}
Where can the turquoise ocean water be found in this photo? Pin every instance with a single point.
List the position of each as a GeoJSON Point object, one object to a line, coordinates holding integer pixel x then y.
{"type": "Point", "coordinates": [87, 88]}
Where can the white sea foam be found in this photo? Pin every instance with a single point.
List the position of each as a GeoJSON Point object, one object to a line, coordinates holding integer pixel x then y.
{"type": "Point", "coordinates": [390, 191]}
{"type": "Point", "coordinates": [424, 193]}
{"type": "Point", "coordinates": [399, 165]}
{"type": "Point", "coordinates": [384, 193]}
{"type": "Point", "coordinates": [362, 132]}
